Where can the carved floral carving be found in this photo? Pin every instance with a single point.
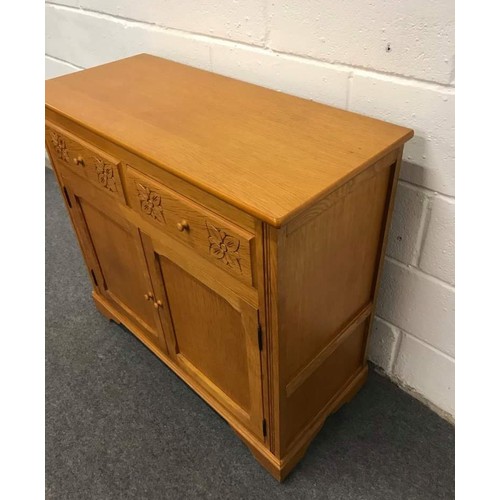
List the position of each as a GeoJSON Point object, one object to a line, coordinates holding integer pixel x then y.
{"type": "Point", "coordinates": [105, 174]}
{"type": "Point", "coordinates": [150, 203]}
{"type": "Point", "coordinates": [60, 147]}
{"type": "Point", "coordinates": [223, 246]}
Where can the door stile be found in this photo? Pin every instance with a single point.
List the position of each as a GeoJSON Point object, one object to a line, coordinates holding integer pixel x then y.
{"type": "Point", "coordinates": [157, 278]}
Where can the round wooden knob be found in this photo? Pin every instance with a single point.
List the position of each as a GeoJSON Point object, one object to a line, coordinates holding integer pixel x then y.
{"type": "Point", "coordinates": [148, 296]}
{"type": "Point", "coordinates": [158, 304]}
{"type": "Point", "coordinates": [183, 225]}
{"type": "Point", "coordinates": [78, 160]}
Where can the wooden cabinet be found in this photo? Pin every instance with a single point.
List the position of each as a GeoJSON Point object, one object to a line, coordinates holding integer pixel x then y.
{"type": "Point", "coordinates": [236, 231]}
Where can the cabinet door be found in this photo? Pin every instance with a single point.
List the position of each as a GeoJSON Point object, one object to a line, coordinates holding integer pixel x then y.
{"type": "Point", "coordinates": [213, 335]}
{"type": "Point", "coordinates": [114, 252]}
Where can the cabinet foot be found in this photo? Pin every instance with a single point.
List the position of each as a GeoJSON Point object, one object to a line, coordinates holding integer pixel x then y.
{"type": "Point", "coordinates": [280, 468]}
{"type": "Point", "coordinates": [261, 453]}
{"type": "Point", "coordinates": [103, 308]}
{"type": "Point", "coordinates": [299, 446]}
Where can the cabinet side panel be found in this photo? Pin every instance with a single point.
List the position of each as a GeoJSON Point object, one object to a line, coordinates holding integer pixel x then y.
{"type": "Point", "coordinates": [331, 262]}
{"type": "Point", "coordinates": [328, 270]}
{"type": "Point", "coordinates": [326, 383]}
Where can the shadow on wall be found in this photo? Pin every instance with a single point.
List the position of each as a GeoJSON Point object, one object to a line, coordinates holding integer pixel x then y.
{"type": "Point", "coordinates": [414, 173]}
{"type": "Point", "coordinates": [424, 166]}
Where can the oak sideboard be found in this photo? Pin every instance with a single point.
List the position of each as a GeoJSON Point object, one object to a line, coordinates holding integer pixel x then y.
{"type": "Point", "coordinates": [238, 232]}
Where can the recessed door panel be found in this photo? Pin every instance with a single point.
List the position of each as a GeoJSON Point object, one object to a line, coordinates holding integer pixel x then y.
{"type": "Point", "coordinates": [215, 337]}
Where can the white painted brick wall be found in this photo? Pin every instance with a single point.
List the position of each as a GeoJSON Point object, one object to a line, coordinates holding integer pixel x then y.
{"type": "Point", "coordinates": [55, 67]}
{"type": "Point", "coordinates": [419, 304]}
{"type": "Point", "coordinates": [428, 109]}
{"type": "Point", "coordinates": [334, 52]}
{"type": "Point", "coordinates": [88, 39]}
{"type": "Point", "coordinates": [239, 20]}
{"type": "Point", "coordinates": [426, 370]}
{"type": "Point", "coordinates": [438, 251]}
{"type": "Point", "coordinates": [384, 343]}
{"type": "Point", "coordinates": [408, 223]}
{"type": "Point", "coordinates": [357, 32]}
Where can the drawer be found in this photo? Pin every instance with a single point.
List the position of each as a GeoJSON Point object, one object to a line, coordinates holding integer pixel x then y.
{"type": "Point", "coordinates": [212, 236]}
{"type": "Point", "coordinates": [85, 160]}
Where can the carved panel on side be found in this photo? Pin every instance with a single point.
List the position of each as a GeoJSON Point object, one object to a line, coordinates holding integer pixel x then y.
{"type": "Point", "coordinates": [58, 143]}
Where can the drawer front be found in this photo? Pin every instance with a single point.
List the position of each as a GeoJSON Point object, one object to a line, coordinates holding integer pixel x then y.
{"type": "Point", "coordinates": [86, 161]}
{"type": "Point", "coordinates": [212, 236]}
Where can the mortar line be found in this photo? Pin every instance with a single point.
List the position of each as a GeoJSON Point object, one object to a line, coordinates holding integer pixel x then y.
{"type": "Point", "coordinates": [433, 348]}
{"type": "Point", "coordinates": [267, 25]}
{"type": "Point", "coordinates": [420, 273]}
{"type": "Point", "coordinates": [58, 59]}
{"type": "Point", "coordinates": [430, 192]}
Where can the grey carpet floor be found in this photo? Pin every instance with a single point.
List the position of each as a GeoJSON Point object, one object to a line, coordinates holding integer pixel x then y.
{"type": "Point", "coordinates": [120, 424]}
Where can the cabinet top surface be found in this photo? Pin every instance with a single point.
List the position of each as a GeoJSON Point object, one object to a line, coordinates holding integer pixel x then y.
{"type": "Point", "coordinates": [268, 153]}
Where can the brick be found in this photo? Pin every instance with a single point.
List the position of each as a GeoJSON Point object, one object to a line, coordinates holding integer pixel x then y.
{"type": "Point", "coordinates": [438, 250]}
{"type": "Point", "coordinates": [420, 34]}
{"type": "Point", "coordinates": [88, 40]}
{"type": "Point", "coordinates": [383, 345]}
{"type": "Point", "coordinates": [54, 68]}
{"type": "Point", "coordinates": [233, 20]}
{"type": "Point", "coordinates": [308, 79]}
{"type": "Point", "coordinates": [418, 304]}
{"type": "Point", "coordinates": [429, 156]}
{"type": "Point", "coordinates": [427, 371]}
{"type": "Point", "coordinates": [409, 213]}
